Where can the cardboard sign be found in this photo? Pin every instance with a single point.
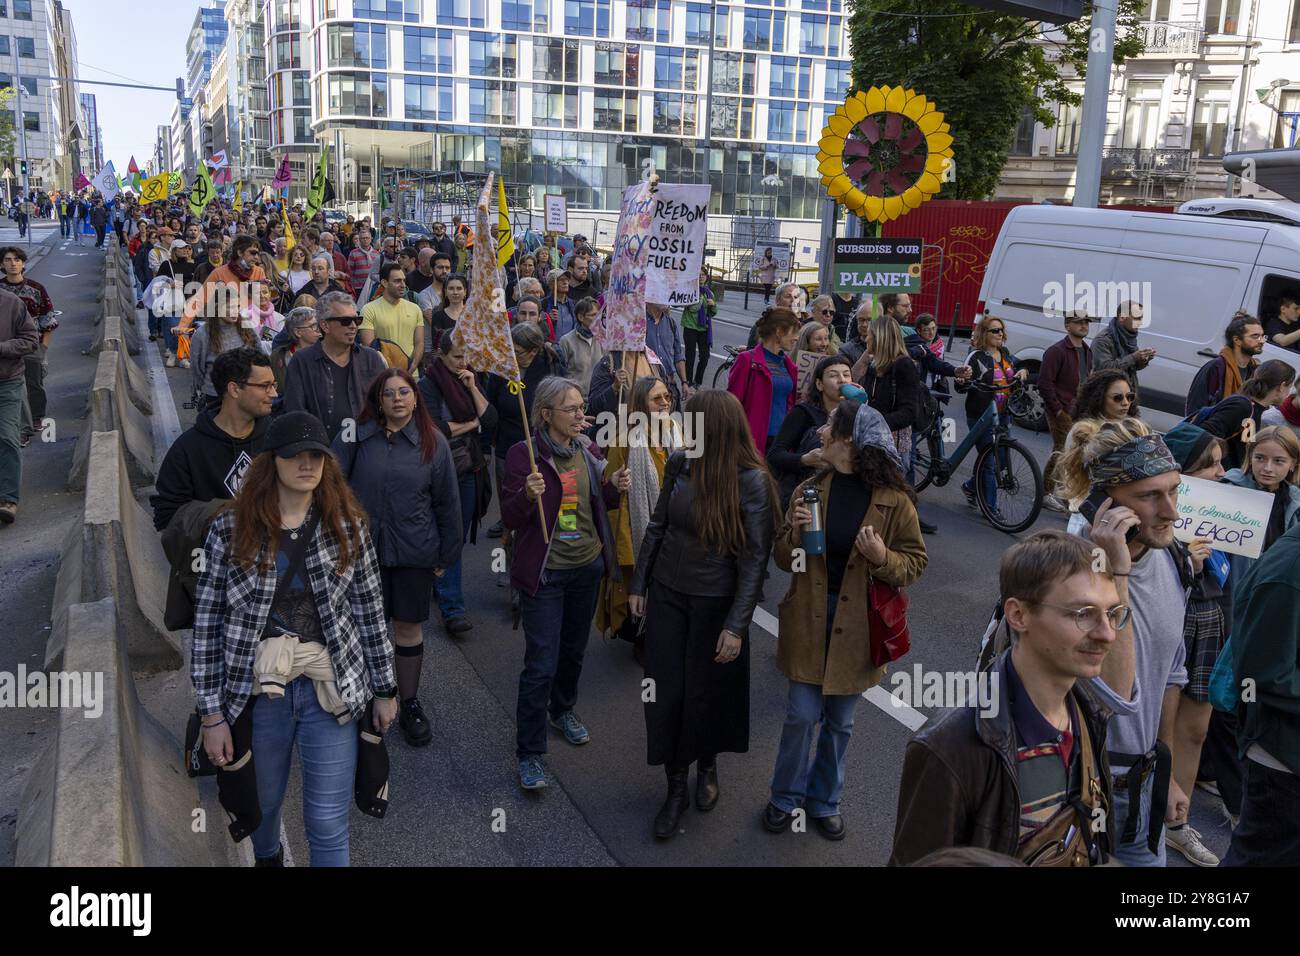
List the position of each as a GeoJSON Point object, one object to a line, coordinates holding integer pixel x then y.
{"type": "Point", "coordinates": [557, 213]}
{"type": "Point", "coordinates": [622, 323]}
{"type": "Point", "coordinates": [675, 247]}
{"type": "Point", "coordinates": [806, 362]}
{"type": "Point", "coordinates": [877, 265]}
{"type": "Point", "coordinates": [1232, 519]}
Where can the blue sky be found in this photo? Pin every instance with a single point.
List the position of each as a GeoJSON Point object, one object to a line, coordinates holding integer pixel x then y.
{"type": "Point", "coordinates": [141, 41]}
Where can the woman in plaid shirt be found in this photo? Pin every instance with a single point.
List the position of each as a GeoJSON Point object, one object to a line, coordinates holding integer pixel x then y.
{"type": "Point", "coordinates": [289, 607]}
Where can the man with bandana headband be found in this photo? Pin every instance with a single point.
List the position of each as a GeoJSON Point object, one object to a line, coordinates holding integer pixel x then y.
{"type": "Point", "coordinates": [1127, 479]}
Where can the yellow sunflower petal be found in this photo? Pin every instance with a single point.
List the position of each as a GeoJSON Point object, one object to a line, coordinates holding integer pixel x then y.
{"type": "Point", "coordinates": [830, 166]}
{"type": "Point", "coordinates": [872, 207]}
{"type": "Point", "coordinates": [839, 124]}
{"type": "Point", "coordinates": [913, 197]}
{"type": "Point", "coordinates": [938, 142]}
{"type": "Point", "coordinates": [928, 183]}
{"type": "Point", "coordinates": [854, 109]}
{"type": "Point", "coordinates": [893, 206]}
{"type": "Point", "coordinates": [854, 199]}
{"type": "Point", "coordinates": [875, 100]}
{"type": "Point", "coordinates": [861, 95]}
{"type": "Point", "coordinates": [935, 163]}
{"type": "Point", "coordinates": [930, 123]}
{"type": "Point", "coordinates": [896, 100]}
{"type": "Point", "coordinates": [838, 186]}
{"type": "Point", "coordinates": [944, 128]}
{"type": "Point", "coordinates": [915, 107]}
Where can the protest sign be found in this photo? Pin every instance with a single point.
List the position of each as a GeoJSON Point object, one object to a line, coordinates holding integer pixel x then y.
{"type": "Point", "coordinates": [675, 247]}
{"type": "Point", "coordinates": [877, 265]}
{"type": "Point", "coordinates": [621, 326]}
{"type": "Point", "coordinates": [1232, 519]}
{"type": "Point", "coordinates": [557, 213]}
{"type": "Point", "coordinates": [806, 361]}
{"type": "Point", "coordinates": [781, 255]}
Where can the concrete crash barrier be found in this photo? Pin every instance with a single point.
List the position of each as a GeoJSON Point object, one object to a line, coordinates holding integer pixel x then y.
{"type": "Point", "coordinates": [110, 789]}
{"type": "Point", "coordinates": [113, 306]}
{"type": "Point", "coordinates": [113, 552]}
{"type": "Point", "coordinates": [111, 411]}
{"type": "Point", "coordinates": [109, 337]}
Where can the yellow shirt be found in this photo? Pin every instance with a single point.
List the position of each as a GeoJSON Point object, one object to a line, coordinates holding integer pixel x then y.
{"type": "Point", "coordinates": [397, 323]}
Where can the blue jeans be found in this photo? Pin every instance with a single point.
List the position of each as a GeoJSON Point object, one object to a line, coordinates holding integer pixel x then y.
{"type": "Point", "coordinates": [12, 397]}
{"type": "Point", "coordinates": [988, 476]}
{"type": "Point", "coordinates": [1269, 831]}
{"type": "Point", "coordinates": [794, 784]}
{"type": "Point", "coordinates": [1137, 853]}
{"type": "Point", "coordinates": [451, 599]}
{"type": "Point", "coordinates": [328, 754]}
{"type": "Point", "coordinates": [65, 226]}
{"type": "Point", "coordinates": [557, 624]}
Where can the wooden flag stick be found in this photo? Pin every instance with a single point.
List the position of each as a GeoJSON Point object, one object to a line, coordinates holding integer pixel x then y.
{"type": "Point", "coordinates": [532, 462]}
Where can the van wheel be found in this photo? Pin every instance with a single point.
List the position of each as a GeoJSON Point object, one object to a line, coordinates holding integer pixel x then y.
{"type": "Point", "coordinates": [1027, 408]}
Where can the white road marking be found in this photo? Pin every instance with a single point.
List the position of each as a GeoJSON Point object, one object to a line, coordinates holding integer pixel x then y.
{"type": "Point", "coordinates": [57, 276]}
{"type": "Point", "coordinates": [905, 714]}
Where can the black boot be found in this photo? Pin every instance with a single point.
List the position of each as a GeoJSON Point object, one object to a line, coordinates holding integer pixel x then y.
{"type": "Point", "coordinates": [277, 860]}
{"type": "Point", "coordinates": [670, 814]}
{"type": "Point", "coordinates": [706, 783]}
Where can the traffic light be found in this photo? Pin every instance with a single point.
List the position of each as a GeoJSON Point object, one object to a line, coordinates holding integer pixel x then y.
{"type": "Point", "coordinates": [22, 167]}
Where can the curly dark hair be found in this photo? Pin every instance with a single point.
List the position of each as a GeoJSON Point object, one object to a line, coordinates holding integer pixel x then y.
{"type": "Point", "coordinates": [873, 466]}
{"type": "Point", "coordinates": [1090, 400]}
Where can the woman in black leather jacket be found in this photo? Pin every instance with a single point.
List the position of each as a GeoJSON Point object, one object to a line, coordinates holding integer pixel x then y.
{"type": "Point", "coordinates": [702, 562]}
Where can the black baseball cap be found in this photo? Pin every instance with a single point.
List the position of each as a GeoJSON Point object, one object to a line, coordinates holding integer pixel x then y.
{"type": "Point", "coordinates": [294, 433]}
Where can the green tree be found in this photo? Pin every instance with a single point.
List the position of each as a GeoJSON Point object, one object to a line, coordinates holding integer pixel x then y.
{"type": "Point", "coordinates": [980, 68]}
{"type": "Point", "coordinates": [7, 95]}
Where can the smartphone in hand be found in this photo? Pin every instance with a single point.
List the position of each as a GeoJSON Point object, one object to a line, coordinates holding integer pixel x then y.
{"type": "Point", "coordinates": [1093, 503]}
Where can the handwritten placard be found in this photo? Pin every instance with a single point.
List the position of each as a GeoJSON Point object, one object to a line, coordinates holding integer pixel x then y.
{"type": "Point", "coordinates": [675, 248]}
{"type": "Point", "coordinates": [1232, 519]}
{"type": "Point", "coordinates": [622, 322]}
{"type": "Point", "coordinates": [806, 362]}
{"type": "Point", "coordinates": [557, 213]}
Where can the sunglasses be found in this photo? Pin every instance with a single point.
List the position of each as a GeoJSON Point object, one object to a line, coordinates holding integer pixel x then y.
{"type": "Point", "coordinates": [343, 319]}
{"type": "Point", "coordinates": [1123, 398]}
{"type": "Point", "coordinates": [997, 331]}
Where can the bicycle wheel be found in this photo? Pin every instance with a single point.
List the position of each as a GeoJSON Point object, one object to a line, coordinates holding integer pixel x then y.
{"type": "Point", "coordinates": [723, 373]}
{"type": "Point", "coordinates": [928, 450]}
{"type": "Point", "coordinates": [1019, 486]}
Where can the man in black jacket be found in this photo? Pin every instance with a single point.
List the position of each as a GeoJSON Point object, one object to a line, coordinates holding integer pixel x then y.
{"type": "Point", "coordinates": [997, 778]}
{"type": "Point", "coordinates": [210, 459]}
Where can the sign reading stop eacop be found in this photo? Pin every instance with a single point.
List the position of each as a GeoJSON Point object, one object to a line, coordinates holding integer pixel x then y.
{"type": "Point", "coordinates": [1232, 519]}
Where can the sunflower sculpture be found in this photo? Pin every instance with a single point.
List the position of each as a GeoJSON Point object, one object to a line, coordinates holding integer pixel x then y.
{"type": "Point", "coordinates": [883, 152]}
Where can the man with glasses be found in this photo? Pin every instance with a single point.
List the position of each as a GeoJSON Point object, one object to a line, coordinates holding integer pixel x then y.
{"type": "Point", "coordinates": [1065, 365]}
{"type": "Point", "coordinates": [329, 379]}
{"type": "Point", "coordinates": [442, 242]}
{"type": "Point", "coordinates": [1028, 774]}
{"type": "Point", "coordinates": [208, 461]}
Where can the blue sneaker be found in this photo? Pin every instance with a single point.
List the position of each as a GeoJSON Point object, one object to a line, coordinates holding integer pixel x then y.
{"type": "Point", "coordinates": [532, 773]}
{"type": "Point", "coordinates": [572, 728]}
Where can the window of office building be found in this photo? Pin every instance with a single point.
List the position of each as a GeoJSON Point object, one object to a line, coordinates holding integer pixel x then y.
{"type": "Point", "coordinates": [492, 101]}
{"type": "Point", "coordinates": [820, 35]}
{"type": "Point", "coordinates": [301, 90]}
{"type": "Point", "coordinates": [735, 73]}
{"type": "Point", "coordinates": [726, 116]}
{"type": "Point", "coordinates": [618, 64]}
{"type": "Point", "coordinates": [1223, 16]}
{"type": "Point", "coordinates": [787, 122]}
{"type": "Point", "coordinates": [428, 98]}
{"type": "Point", "coordinates": [1069, 119]}
{"type": "Point", "coordinates": [4, 46]}
{"type": "Point", "coordinates": [675, 113]}
{"type": "Point", "coordinates": [493, 54]}
{"type": "Point", "coordinates": [1022, 140]}
{"type": "Point", "coordinates": [791, 77]}
{"type": "Point", "coordinates": [649, 20]}
{"type": "Point", "coordinates": [616, 110]}
{"type": "Point", "coordinates": [825, 6]}
{"type": "Point", "coordinates": [837, 81]}
{"type": "Point", "coordinates": [429, 50]}
{"type": "Point", "coordinates": [555, 105]}
{"type": "Point", "coordinates": [555, 60]}
{"type": "Point", "coordinates": [23, 10]}
{"type": "Point", "coordinates": [395, 10]}
{"type": "Point", "coordinates": [764, 30]}
{"type": "Point", "coordinates": [288, 51]}
{"type": "Point", "coordinates": [26, 47]}
{"type": "Point", "coordinates": [31, 121]}
{"type": "Point", "coordinates": [1210, 120]}
{"type": "Point", "coordinates": [698, 18]}
{"type": "Point", "coordinates": [677, 69]}
{"type": "Point", "coordinates": [358, 94]}
{"type": "Point", "coordinates": [1142, 113]}
{"type": "Point", "coordinates": [462, 13]}
{"type": "Point", "coordinates": [586, 18]}
{"type": "Point", "coordinates": [526, 16]}
{"type": "Point", "coordinates": [361, 46]}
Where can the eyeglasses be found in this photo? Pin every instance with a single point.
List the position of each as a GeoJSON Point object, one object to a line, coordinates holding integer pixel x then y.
{"type": "Point", "coordinates": [311, 327]}
{"type": "Point", "coordinates": [1088, 617]}
{"type": "Point", "coordinates": [404, 392]}
{"type": "Point", "coordinates": [571, 409]}
{"type": "Point", "coordinates": [266, 387]}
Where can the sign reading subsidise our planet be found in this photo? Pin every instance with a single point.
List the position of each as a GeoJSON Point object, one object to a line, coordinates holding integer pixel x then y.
{"type": "Point", "coordinates": [1232, 519]}
{"type": "Point", "coordinates": [877, 265]}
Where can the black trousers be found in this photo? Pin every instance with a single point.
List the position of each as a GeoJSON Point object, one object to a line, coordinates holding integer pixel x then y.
{"type": "Point", "coordinates": [697, 345]}
{"type": "Point", "coordinates": [99, 235]}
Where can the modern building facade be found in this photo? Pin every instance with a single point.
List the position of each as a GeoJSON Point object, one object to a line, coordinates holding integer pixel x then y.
{"type": "Point", "coordinates": [248, 102]}
{"type": "Point", "coordinates": [1217, 76]}
{"type": "Point", "coordinates": [206, 42]}
{"type": "Point", "coordinates": [182, 142]}
{"type": "Point", "coordinates": [93, 149]}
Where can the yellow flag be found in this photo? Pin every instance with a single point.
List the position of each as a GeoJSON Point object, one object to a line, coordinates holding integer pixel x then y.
{"type": "Point", "coordinates": [289, 241]}
{"type": "Point", "coordinates": [201, 192]}
{"type": "Point", "coordinates": [505, 239]}
{"type": "Point", "coordinates": [154, 189]}
{"type": "Point", "coordinates": [238, 204]}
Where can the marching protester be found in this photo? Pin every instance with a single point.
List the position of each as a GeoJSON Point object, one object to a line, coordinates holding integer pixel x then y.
{"type": "Point", "coordinates": [558, 304]}
{"type": "Point", "coordinates": [452, 307]}
{"type": "Point", "coordinates": [645, 455]}
{"type": "Point", "coordinates": [362, 261]}
{"type": "Point", "coordinates": [289, 639]}
{"type": "Point", "coordinates": [227, 330]}
{"type": "Point", "coordinates": [303, 332]}
{"type": "Point", "coordinates": [35, 364]}
{"type": "Point", "coordinates": [797, 448]}
{"type": "Point", "coordinates": [698, 578]}
{"type": "Point", "coordinates": [322, 281]}
{"type": "Point", "coordinates": [1238, 418]}
{"type": "Point", "coordinates": [557, 568]}
{"type": "Point", "coordinates": [298, 273]}
{"type": "Point", "coordinates": [764, 378]}
{"type": "Point", "coordinates": [1116, 346]}
{"type": "Point", "coordinates": [527, 269]}
{"type": "Point", "coordinates": [993, 366]}
{"type": "Point", "coordinates": [19, 337]}
{"type": "Point", "coordinates": [856, 344]}
{"type": "Point", "coordinates": [1026, 777]}
{"type": "Point", "coordinates": [451, 393]}
{"type": "Point", "coordinates": [663, 337]}
{"type": "Point", "coordinates": [697, 331]}
{"type": "Point", "coordinates": [1226, 373]}
{"type": "Point", "coordinates": [822, 311]}
{"type": "Point", "coordinates": [1139, 478]}
{"type": "Point", "coordinates": [393, 318]}
{"type": "Point", "coordinates": [168, 299]}
{"type": "Point", "coordinates": [872, 539]}
{"type": "Point", "coordinates": [226, 282]}
{"type": "Point", "coordinates": [423, 275]}
{"type": "Point", "coordinates": [402, 472]}
{"type": "Point", "coordinates": [1105, 396]}
{"type": "Point", "coordinates": [579, 348]}
{"type": "Point", "coordinates": [788, 296]}
{"type": "Point", "coordinates": [330, 379]}
{"type": "Point", "coordinates": [583, 283]}
{"type": "Point", "coordinates": [813, 338]}
{"type": "Point", "coordinates": [1066, 365]}
{"type": "Point", "coordinates": [892, 382]}
{"type": "Point", "coordinates": [766, 268]}
{"type": "Point", "coordinates": [99, 217]}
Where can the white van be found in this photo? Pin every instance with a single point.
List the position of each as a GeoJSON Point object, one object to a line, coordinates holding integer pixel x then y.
{"type": "Point", "coordinates": [1191, 270]}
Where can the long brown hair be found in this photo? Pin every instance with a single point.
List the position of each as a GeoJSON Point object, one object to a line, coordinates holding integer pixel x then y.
{"type": "Point", "coordinates": [257, 514]}
{"type": "Point", "coordinates": [374, 410]}
{"type": "Point", "coordinates": [714, 476]}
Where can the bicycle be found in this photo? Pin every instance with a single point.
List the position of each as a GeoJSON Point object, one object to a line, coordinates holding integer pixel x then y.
{"type": "Point", "coordinates": [1017, 477]}
{"type": "Point", "coordinates": [723, 371]}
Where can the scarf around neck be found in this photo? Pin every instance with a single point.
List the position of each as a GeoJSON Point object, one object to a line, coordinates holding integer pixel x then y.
{"type": "Point", "coordinates": [1232, 372]}
{"type": "Point", "coordinates": [1126, 340]}
{"type": "Point", "coordinates": [1289, 411]}
{"type": "Point", "coordinates": [459, 401]}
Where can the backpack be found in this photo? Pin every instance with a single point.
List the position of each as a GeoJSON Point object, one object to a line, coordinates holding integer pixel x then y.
{"type": "Point", "coordinates": [185, 533]}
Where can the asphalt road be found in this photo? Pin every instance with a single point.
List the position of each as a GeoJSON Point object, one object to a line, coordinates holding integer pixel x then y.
{"type": "Point", "coordinates": [457, 801]}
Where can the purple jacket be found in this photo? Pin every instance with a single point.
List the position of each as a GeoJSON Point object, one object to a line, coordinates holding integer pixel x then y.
{"type": "Point", "coordinates": [520, 515]}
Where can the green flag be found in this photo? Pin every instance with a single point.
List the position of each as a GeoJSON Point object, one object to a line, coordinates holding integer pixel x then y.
{"type": "Point", "coordinates": [175, 182]}
{"type": "Point", "coordinates": [201, 192]}
{"type": "Point", "coordinates": [316, 198]}
{"type": "Point", "coordinates": [385, 200]}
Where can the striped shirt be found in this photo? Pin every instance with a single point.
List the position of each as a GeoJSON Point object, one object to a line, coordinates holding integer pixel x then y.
{"type": "Point", "coordinates": [360, 264]}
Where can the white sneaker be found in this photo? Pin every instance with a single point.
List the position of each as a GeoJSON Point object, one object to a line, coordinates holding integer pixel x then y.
{"type": "Point", "coordinates": [1187, 841]}
{"type": "Point", "coordinates": [185, 363]}
{"type": "Point", "coordinates": [1053, 503]}
{"type": "Point", "coordinates": [171, 359]}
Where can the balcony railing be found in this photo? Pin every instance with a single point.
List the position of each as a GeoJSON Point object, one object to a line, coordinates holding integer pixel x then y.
{"type": "Point", "coordinates": [1128, 162]}
{"type": "Point", "coordinates": [1163, 36]}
